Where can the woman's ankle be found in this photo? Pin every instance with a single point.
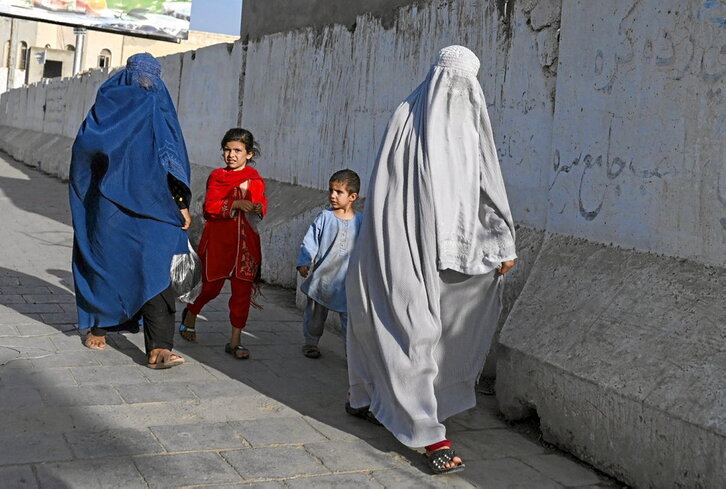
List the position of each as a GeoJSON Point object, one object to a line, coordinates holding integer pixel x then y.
{"type": "Point", "coordinates": [438, 446]}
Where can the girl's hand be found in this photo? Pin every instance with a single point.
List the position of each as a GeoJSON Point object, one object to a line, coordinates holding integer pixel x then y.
{"type": "Point", "coordinates": [303, 270]}
{"type": "Point", "coordinates": [506, 266]}
{"type": "Point", "coordinates": [243, 205]}
{"type": "Point", "coordinates": [187, 219]}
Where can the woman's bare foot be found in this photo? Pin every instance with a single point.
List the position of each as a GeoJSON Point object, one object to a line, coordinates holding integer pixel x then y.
{"type": "Point", "coordinates": [95, 342]}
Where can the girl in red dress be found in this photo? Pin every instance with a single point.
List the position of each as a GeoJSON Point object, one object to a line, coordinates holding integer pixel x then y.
{"type": "Point", "coordinates": [230, 246]}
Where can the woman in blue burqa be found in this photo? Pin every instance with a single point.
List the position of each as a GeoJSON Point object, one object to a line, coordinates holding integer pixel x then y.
{"type": "Point", "coordinates": [425, 279]}
{"type": "Point", "coordinates": [129, 195]}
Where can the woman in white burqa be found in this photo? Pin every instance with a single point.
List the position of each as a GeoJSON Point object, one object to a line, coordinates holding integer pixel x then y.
{"type": "Point", "coordinates": [425, 280]}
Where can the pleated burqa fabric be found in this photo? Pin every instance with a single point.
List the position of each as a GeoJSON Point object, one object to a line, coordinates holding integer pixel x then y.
{"type": "Point", "coordinates": [423, 294]}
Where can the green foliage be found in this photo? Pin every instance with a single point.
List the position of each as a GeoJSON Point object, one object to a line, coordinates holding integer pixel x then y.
{"type": "Point", "coordinates": [153, 6]}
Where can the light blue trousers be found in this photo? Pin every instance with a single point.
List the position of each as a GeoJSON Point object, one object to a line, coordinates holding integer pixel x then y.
{"type": "Point", "coordinates": [314, 322]}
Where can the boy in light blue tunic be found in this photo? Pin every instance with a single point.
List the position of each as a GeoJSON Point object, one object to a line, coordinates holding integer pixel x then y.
{"type": "Point", "coordinates": [323, 259]}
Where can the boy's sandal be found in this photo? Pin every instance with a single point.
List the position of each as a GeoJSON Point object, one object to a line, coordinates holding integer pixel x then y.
{"type": "Point", "coordinates": [239, 351]}
{"type": "Point", "coordinates": [189, 334]}
{"type": "Point", "coordinates": [165, 359]}
{"type": "Point", "coordinates": [362, 413]}
{"type": "Point", "coordinates": [311, 351]}
{"type": "Point", "coordinates": [438, 459]}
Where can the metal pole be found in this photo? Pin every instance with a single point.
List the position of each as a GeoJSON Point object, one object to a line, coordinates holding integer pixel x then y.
{"type": "Point", "coordinates": [80, 33]}
{"type": "Point", "coordinates": [12, 55]}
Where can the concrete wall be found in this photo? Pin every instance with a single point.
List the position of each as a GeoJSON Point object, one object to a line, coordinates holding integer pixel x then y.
{"type": "Point", "coordinates": [609, 120]}
{"type": "Point", "coordinates": [263, 17]}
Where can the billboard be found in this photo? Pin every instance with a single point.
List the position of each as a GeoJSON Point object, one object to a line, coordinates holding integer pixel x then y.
{"type": "Point", "coordinates": [158, 19]}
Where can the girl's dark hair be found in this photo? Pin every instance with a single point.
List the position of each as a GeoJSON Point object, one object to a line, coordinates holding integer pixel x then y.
{"type": "Point", "coordinates": [243, 136]}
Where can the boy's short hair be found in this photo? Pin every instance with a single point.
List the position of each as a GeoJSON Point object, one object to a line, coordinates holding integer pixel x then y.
{"type": "Point", "coordinates": [349, 178]}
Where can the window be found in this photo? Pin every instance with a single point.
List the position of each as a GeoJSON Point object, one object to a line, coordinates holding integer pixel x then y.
{"type": "Point", "coordinates": [22, 55]}
{"type": "Point", "coordinates": [52, 69]}
{"type": "Point", "coordinates": [104, 59]}
{"type": "Point", "coordinates": [6, 50]}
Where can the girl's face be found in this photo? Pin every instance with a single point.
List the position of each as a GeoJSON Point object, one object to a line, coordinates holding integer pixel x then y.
{"type": "Point", "coordinates": [236, 155]}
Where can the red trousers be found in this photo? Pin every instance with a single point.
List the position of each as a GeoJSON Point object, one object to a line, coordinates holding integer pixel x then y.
{"type": "Point", "coordinates": [239, 301]}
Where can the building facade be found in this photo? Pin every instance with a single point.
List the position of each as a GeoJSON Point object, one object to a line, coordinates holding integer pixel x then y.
{"type": "Point", "coordinates": [32, 51]}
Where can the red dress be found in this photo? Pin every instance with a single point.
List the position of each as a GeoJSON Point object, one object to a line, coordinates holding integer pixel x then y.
{"type": "Point", "coordinates": [230, 245]}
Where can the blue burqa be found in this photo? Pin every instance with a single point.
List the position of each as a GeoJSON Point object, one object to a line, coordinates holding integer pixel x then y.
{"type": "Point", "coordinates": [126, 223]}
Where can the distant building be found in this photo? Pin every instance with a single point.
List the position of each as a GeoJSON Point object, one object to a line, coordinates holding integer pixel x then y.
{"type": "Point", "coordinates": [32, 51]}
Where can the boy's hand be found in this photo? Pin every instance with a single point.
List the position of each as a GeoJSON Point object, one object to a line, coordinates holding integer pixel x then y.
{"type": "Point", "coordinates": [187, 219]}
{"type": "Point", "coordinates": [506, 266]}
{"type": "Point", "coordinates": [303, 270]}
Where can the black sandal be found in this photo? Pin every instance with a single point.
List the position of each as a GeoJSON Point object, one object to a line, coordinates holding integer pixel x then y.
{"type": "Point", "coordinates": [438, 459]}
{"type": "Point", "coordinates": [362, 413]}
{"type": "Point", "coordinates": [232, 350]}
{"type": "Point", "coordinates": [311, 351]}
{"type": "Point", "coordinates": [189, 334]}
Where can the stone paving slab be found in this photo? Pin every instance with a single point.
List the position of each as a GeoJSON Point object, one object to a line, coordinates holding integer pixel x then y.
{"type": "Point", "coordinates": [113, 473]}
{"type": "Point", "coordinates": [73, 396]}
{"type": "Point", "coordinates": [159, 392]}
{"type": "Point", "coordinates": [560, 469]}
{"type": "Point", "coordinates": [363, 481]}
{"type": "Point", "coordinates": [200, 436]}
{"type": "Point", "coordinates": [33, 447]}
{"type": "Point", "coordinates": [274, 463]}
{"type": "Point", "coordinates": [414, 478]}
{"type": "Point", "coordinates": [185, 469]}
{"type": "Point", "coordinates": [509, 473]}
{"type": "Point", "coordinates": [108, 443]}
{"type": "Point", "coordinates": [35, 420]}
{"type": "Point", "coordinates": [221, 388]}
{"type": "Point", "coordinates": [344, 456]}
{"type": "Point", "coordinates": [18, 477]}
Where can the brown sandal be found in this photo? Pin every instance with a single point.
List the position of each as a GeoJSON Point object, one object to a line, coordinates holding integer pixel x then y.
{"type": "Point", "coordinates": [164, 360]}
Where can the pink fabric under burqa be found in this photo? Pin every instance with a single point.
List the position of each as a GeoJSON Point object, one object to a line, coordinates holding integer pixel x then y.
{"type": "Point", "coordinates": [423, 294]}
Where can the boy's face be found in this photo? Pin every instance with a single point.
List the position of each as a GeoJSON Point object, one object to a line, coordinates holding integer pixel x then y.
{"type": "Point", "coordinates": [339, 197]}
{"type": "Point", "coordinates": [236, 155]}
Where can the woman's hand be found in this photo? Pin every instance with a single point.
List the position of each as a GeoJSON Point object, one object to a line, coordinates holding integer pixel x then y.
{"type": "Point", "coordinates": [506, 266]}
{"type": "Point", "coordinates": [303, 270]}
{"type": "Point", "coordinates": [187, 219]}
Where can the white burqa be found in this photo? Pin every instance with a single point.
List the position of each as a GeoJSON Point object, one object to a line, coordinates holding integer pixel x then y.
{"type": "Point", "coordinates": [423, 297]}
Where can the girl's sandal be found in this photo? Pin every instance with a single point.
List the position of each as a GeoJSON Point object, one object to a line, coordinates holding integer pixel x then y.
{"type": "Point", "coordinates": [189, 334]}
{"type": "Point", "coordinates": [239, 351]}
{"type": "Point", "coordinates": [438, 459]}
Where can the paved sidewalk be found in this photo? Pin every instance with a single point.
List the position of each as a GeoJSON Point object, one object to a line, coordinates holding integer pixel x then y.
{"type": "Point", "coordinates": [71, 417]}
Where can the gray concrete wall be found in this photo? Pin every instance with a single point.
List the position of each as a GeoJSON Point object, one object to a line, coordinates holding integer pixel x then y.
{"type": "Point", "coordinates": [609, 121]}
{"type": "Point", "coordinates": [620, 353]}
{"type": "Point", "coordinates": [263, 17]}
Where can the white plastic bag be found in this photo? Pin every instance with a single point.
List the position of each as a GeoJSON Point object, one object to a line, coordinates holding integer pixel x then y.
{"type": "Point", "coordinates": [186, 275]}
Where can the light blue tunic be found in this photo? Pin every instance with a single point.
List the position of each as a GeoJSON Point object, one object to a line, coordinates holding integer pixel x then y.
{"type": "Point", "coordinates": [326, 250]}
